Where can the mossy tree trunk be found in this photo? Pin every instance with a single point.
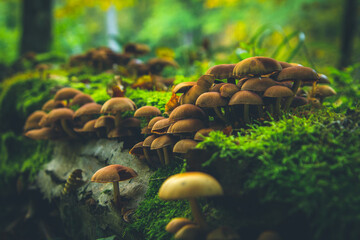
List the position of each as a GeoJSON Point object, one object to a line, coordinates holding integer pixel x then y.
{"type": "Point", "coordinates": [36, 26]}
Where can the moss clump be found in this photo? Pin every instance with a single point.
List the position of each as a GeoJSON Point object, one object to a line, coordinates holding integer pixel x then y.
{"type": "Point", "coordinates": [153, 98]}
{"type": "Point", "coordinates": [307, 166]}
{"type": "Point", "coordinates": [153, 214]}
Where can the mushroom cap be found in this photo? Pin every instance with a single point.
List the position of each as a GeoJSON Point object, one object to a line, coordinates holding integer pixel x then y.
{"type": "Point", "coordinates": [40, 134]}
{"type": "Point", "coordinates": [256, 66]}
{"type": "Point", "coordinates": [184, 145]}
{"type": "Point", "coordinates": [216, 87]}
{"type": "Point", "coordinates": [189, 185]}
{"type": "Point", "coordinates": [278, 91]}
{"type": "Point", "coordinates": [162, 141]}
{"type": "Point", "coordinates": [137, 149]}
{"type": "Point", "coordinates": [324, 91]}
{"type": "Point", "coordinates": [130, 123]}
{"type": "Point", "coordinates": [285, 64]}
{"type": "Point", "coordinates": [228, 90]}
{"type": "Point", "coordinates": [88, 109]}
{"type": "Point", "coordinates": [190, 231]}
{"type": "Point", "coordinates": [176, 224]}
{"type": "Point", "coordinates": [145, 130]}
{"type": "Point", "coordinates": [119, 132]}
{"type": "Point", "coordinates": [153, 121]}
{"type": "Point", "coordinates": [190, 96]}
{"type": "Point", "coordinates": [118, 104]}
{"type": "Point", "coordinates": [65, 94]}
{"type": "Point", "coordinates": [183, 87]}
{"type": "Point", "coordinates": [33, 120]}
{"type": "Point", "coordinates": [59, 113]}
{"type": "Point", "coordinates": [80, 99]}
{"type": "Point", "coordinates": [210, 100]}
{"type": "Point", "coordinates": [88, 127]}
{"type": "Point", "coordinates": [105, 121]}
{"type": "Point", "coordinates": [199, 136]}
{"type": "Point", "coordinates": [186, 111]}
{"type": "Point", "coordinates": [245, 97]}
{"type": "Point", "coordinates": [205, 81]}
{"type": "Point", "coordinates": [186, 126]}
{"type": "Point", "coordinates": [148, 141]}
{"type": "Point", "coordinates": [161, 126]}
{"type": "Point", "coordinates": [323, 79]}
{"type": "Point", "coordinates": [298, 101]}
{"type": "Point", "coordinates": [298, 73]}
{"type": "Point", "coordinates": [113, 173]}
{"type": "Point", "coordinates": [258, 84]}
{"type": "Point", "coordinates": [221, 71]}
{"type": "Point", "coordinates": [51, 104]}
{"type": "Point", "coordinates": [147, 111]}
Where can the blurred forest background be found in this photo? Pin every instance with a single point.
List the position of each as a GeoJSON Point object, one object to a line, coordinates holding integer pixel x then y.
{"type": "Point", "coordinates": [316, 33]}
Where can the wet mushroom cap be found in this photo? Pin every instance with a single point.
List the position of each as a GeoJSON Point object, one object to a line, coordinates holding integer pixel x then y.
{"type": "Point", "coordinates": [245, 97]}
{"type": "Point", "coordinates": [258, 84]}
{"type": "Point", "coordinates": [187, 111]}
{"type": "Point", "coordinates": [186, 126]}
{"type": "Point", "coordinates": [184, 145]}
{"type": "Point", "coordinates": [256, 66]}
{"type": "Point", "coordinates": [147, 111]}
{"type": "Point", "coordinates": [176, 224]}
{"type": "Point", "coordinates": [118, 104]}
{"type": "Point", "coordinates": [81, 99]}
{"type": "Point", "coordinates": [189, 185]}
{"type": "Point", "coordinates": [88, 109]}
{"type": "Point", "coordinates": [221, 71]}
{"type": "Point", "coordinates": [66, 93]}
{"type": "Point", "coordinates": [278, 91]}
{"type": "Point", "coordinates": [162, 141]}
{"type": "Point", "coordinates": [113, 173]}
{"type": "Point", "coordinates": [183, 87]}
{"type": "Point", "coordinates": [210, 100]}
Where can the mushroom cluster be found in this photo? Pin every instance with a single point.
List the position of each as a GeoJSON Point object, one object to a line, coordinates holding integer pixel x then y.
{"type": "Point", "coordinates": [57, 120]}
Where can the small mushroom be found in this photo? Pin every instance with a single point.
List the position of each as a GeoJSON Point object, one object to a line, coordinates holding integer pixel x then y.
{"type": "Point", "coordinates": [278, 92]}
{"type": "Point", "coordinates": [66, 94]}
{"type": "Point", "coordinates": [246, 98]}
{"type": "Point", "coordinates": [117, 106]}
{"type": "Point", "coordinates": [163, 143]}
{"type": "Point", "coordinates": [176, 224]}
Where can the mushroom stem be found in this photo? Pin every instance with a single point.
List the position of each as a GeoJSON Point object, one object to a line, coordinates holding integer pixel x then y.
{"type": "Point", "coordinates": [246, 114]}
{"type": "Point", "coordinates": [294, 89]}
{"type": "Point", "coordinates": [147, 157]}
{"type": "Point", "coordinates": [161, 157]}
{"type": "Point", "coordinates": [260, 111]}
{"type": "Point", "coordinates": [166, 156]}
{"type": "Point", "coordinates": [219, 114]}
{"type": "Point", "coordinates": [67, 129]}
{"type": "Point", "coordinates": [118, 120]}
{"type": "Point", "coordinates": [197, 214]}
{"type": "Point", "coordinates": [116, 194]}
{"type": "Point", "coordinates": [277, 107]}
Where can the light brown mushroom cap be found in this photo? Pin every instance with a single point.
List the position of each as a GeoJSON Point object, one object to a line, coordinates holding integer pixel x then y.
{"type": "Point", "coordinates": [324, 91]}
{"type": "Point", "coordinates": [258, 84]}
{"type": "Point", "coordinates": [245, 97]}
{"type": "Point", "coordinates": [278, 91]}
{"type": "Point", "coordinates": [52, 104]}
{"type": "Point", "coordinates": [105, 121]}
{"type": "Point", "coordinates": [221, 71]}
{"type": "Point", "coordinates": [189, 231]}
{"type": "Point", "coordinates": [40, 134]}
{"type": "Point", "coordinates": [118, 104]}
{"type": "Point", "coordinates": [88, 127]}
{"type": "Point", "coordinates": [59, 113]}
{"type": "Point", "coordinates": [81, 99]}
{"type": "Point", "coordinates": [147, 111]}
{"type": "Point", "coordinates": [210, 100]}
{"type": "Point", "coordinates": [199, 136]}
{"type": "Point", "coordinates": [176, 224]}
{"type": "Point", "coordinates": [113, 173]}
{"type": "Point", "coordinates": [137, 149]}
{"type": "Point", "coordinates": [65, 94]}
{"type": "Point", "coordinates": [205, 81]}
{"type": "Point", "coordinates": [256, 66]}
{"type": "Point", "coordinates": [32, 122]}
{"type": "Point", "coordinates": [216, 87]}
{"type": "Point", "coordinates": [148, 141]}
{"type": "Point", "coordinates": [184, 145]}
{"type": "Point", "coordinates": [161, 126]}
{"type": "Point", "coordinates": [88, 109]}
{"type": "Point", "coordinates": [153, 121]}
{"type": "Point", "coordinates": [162, 141]}
{"type": "Point", "coordinates": [186, 126]}
{"type": "Point", "coordinates": [183, 87]}
{"type": "Point", "coordinates": [228, 90]}
{"type": "Point", "coordinates": [186, 111]}
{"type": "Point", "coordinates": [189, 185]}
{"type": "Point", "coordinates": [190, 96]}
{"type": "Point", "coordinates": [297, 73]}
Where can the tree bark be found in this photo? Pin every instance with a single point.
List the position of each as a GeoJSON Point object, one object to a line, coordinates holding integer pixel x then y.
{"type": "Point", "coordinates": [36, 26]}
{"type": "Point", "coordinates": [348, 32]}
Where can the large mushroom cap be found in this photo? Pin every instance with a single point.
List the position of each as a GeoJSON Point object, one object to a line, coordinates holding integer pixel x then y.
{"type": "Point", "coordinates": [258, 84]}
{"type": "Point", "coordinates": [221, 71]}
{"type": "Point", "coordinates": [113, 173]}
{"type": "Point", "coordinates": [187, 111]}
{"type": "Point", "coordinates": [147, 111]}
{"type": "Point", "coordinates": [245, 97]}
{"type": "Point", "coordinates": [189, 185]}
{"type": "Point", "coordinates": [278, 91]}
{"type": "Point", "coordinates": [298, 73]}
{"type": "Point", "coordinates": [118, 104]}
{"type": "Point", "coordinates": [210, 100]}
{"type": "Point", "coordinates": [66, 93]}
{"type": "Point", "coordinates": [88, 109]}
{"type": "Point", "coordinates": [256, 66]}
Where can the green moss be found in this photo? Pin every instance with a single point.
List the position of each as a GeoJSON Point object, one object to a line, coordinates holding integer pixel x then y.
{"type": "Point", "coordinates": [153, 214]}
{"type": "Point", "coordinates": [153, 98]}
{"type": "Point", "coordinates": [302, 165]}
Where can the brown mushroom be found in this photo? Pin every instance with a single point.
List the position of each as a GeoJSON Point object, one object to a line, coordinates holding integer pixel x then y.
{"type": "Point", "coordinates": [222, 71]}
{"type": "Point", "coordinates": [278, 92]}
{"type": "Point", "coordinates": [163, 143]}
{"type": "Point", "coordinates": [256, 66]}
{"type": "Point", "coordinates": [66, 94]}
{"type": "Point", "coordinates": [117, 106]}
{"type": "Point", "coordinates": [245, 98]}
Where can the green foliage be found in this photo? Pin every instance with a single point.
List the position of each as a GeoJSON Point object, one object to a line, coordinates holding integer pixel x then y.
{"type": "Point", "coordinates": [309, 165]}
{"type": "Point", "coordinates": [143, 97]}
{"type": "Point", "coordinates": [154, 214]}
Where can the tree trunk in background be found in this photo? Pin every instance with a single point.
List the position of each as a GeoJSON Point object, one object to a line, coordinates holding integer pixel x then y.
{"type": "Point", "coordinates": [348, 32]}
{"type": "Point", "coordinates": [36, 26]}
